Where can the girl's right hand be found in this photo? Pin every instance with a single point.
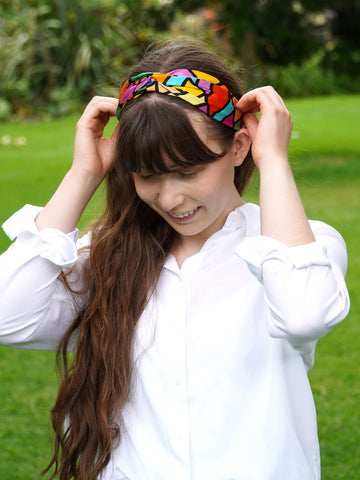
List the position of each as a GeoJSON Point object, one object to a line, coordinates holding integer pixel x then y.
{"type": "Point", "coordinates": [94, 155]}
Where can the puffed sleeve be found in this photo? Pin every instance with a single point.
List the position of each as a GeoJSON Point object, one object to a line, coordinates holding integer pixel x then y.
{"type": "Point", "coordinates": [304, 286]}
{"type": "Point", "coordinates": [35, 307]}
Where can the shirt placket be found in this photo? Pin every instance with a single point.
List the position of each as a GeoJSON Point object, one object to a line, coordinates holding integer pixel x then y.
{"type": "Point", "coordinates": [179, 428]}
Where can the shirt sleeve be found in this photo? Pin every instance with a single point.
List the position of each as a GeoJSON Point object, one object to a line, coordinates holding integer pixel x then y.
{"type": "Point", "coordinates": [304, 286]}
{"type": "Point", "coordinates": [36, 308]}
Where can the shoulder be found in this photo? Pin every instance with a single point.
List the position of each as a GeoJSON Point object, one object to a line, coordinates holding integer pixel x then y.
{"type": "Point", "coordinates": [320, 229]}
{"type": "Point", "coordinates": [84, 241]}
{"type": "Point", "coordinates": [332, 241]}
{"type": "Point", "coordinates": [251, 212]}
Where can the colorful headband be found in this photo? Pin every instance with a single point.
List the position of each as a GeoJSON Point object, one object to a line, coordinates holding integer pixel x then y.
{"type": "Point", "coordinates": [201, 90]}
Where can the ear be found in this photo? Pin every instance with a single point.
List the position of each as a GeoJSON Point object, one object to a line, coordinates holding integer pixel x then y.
{"type": "Point", "coordinates": [242, 144]}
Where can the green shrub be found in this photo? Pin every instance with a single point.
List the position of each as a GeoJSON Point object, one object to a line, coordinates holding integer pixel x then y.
{"type": "Point", "coordinates": [54, 53]}
{"type": "Point", "coordinates": [309, 78]}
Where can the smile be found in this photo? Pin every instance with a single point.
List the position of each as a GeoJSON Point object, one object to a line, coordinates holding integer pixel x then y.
{"type": "Point", "coordinates": [181, 216]}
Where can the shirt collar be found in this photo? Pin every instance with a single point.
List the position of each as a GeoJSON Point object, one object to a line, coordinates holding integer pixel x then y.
{"type": "Point", "coordinates": [242, 218]}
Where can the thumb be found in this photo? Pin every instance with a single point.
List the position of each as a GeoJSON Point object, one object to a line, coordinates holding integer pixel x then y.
{"type": "Point", "coordinates": [251, 124]}
{"type": "Point", "coordinates": [115, 133]}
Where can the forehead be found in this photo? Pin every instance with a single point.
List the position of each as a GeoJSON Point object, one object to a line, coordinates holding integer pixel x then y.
{"type": "Point", "coordinates": [159, 135]}
{"type": "Point", "coordinates": [199, 123]}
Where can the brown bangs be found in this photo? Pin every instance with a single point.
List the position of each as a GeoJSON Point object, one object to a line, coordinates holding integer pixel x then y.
{"type": "Point", "coordinates": [156, 134]}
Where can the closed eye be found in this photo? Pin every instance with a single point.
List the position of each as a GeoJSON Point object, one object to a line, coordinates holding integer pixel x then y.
{"type": "Point", "coordinates": [146, 176]}
{"type": "Point", "coordinates": [187, 174]}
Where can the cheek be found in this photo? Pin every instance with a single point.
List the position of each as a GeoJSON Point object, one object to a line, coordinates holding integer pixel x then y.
{"type": "Point", "coordinates": [139, 186]}
{"type": "Point", "coordinates": [139, 191]}
{"type": "Point", "coordinates": [145, 192]}
{"type": "Point", "coordinates": [215, 185]}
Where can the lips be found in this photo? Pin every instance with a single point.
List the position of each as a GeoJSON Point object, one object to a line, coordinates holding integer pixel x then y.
{"type": "Point", "coordinates": [184, 216]}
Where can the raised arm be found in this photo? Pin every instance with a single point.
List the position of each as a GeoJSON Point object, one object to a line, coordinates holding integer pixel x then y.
{"type": "Point", "coordinates": [303, 279]}
{"type": "Point", "coordinates": [35, 307]}
{"type": "Point", "coordinates": [93, 157]}
{"type": "Point", "coordinates": [282, 213]}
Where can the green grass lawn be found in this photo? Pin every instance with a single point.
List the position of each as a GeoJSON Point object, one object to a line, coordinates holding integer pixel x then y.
{"type": "Point", "coordinates": [325, 154]}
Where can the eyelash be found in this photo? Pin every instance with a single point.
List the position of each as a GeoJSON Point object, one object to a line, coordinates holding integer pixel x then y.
{"type": "Point", "coordinates": [187, 175]}
{"type": "Point", "coordinates": [146, 177]}
{"type": "Point", "coordinates": [180, 174]}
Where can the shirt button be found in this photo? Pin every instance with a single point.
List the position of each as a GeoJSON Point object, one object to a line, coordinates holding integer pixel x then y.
{"type": "Point", "coordinates": [177, 382]}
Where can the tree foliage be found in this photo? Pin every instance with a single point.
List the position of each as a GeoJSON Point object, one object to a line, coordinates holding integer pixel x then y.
{"type": "Point", "coordinates": [279, 39]}
{"type": "Point", "coordinates": [58, 52]}
{"type": "Point", "coordinates": [282, 33]}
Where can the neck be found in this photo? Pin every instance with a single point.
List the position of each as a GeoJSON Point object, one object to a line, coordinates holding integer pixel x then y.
{"type": "Point", "coordinates": [186, 246]}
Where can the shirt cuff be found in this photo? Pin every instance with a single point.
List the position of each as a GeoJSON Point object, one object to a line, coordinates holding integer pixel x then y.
{"type": "Point", "coordinates": [255, 251]}
{"type": "Point", "coordinates": [53, 245]}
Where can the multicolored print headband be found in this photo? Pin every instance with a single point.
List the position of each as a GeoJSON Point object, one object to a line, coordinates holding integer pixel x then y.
{"type": "Point", "coordinates": [201, 90]}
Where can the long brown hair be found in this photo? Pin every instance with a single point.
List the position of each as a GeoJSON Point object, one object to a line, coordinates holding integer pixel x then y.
{"type": "Point", "coordinates": [129, 246]}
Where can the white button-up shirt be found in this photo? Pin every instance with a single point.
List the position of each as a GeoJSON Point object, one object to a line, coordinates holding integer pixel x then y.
{"type": "Point", "coordinates": [221, 353]}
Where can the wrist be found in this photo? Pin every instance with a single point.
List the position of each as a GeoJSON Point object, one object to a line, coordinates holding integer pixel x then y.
{"type": "Point", "coordinates": [84, 179]}
{"type": "Point", "coordinates": [273, 163]}
{"type": "Point", "coordinates": [66, 206]}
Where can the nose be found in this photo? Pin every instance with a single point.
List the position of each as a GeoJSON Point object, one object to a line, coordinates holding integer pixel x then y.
{"type": "Point", "coordinates": [170, 193]}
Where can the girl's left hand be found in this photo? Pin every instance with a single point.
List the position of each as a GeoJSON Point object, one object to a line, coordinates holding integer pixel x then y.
{"type": "Point", "coordinates": [270, 135]}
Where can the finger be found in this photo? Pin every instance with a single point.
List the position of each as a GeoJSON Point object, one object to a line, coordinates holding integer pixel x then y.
{"type": "Point", "coordinates": [101, 105]}
{"type": "Point", "coordinates": [248, 102]}
{"type": "Point", "coordinates": [255, 100]}
{"type": "Point", "coordinates": [101, 99]}
{"type": "Point", "coordinates": [97, 114]}
{"type": "Point", "coordinates": [115, 133]}
{"type": "Point", "coordinates": [254, 109]}
{"type": "Point", "coordinates": [251, 124]}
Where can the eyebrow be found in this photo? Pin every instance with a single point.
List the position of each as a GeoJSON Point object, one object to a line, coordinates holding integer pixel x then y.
{"type": "Point", "coordinates": [174, 169]}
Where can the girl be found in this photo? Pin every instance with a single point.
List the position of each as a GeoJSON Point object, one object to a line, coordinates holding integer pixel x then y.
{"type": "Point", "coordinates": [193, 315]}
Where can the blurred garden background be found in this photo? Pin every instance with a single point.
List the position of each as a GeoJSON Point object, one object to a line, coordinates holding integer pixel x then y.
{"type": "Point", "coordinates": [56, 54]}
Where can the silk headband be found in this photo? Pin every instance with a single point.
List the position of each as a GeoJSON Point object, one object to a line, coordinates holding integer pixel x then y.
{"type": "Point", "coordinates": [200, 89]}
